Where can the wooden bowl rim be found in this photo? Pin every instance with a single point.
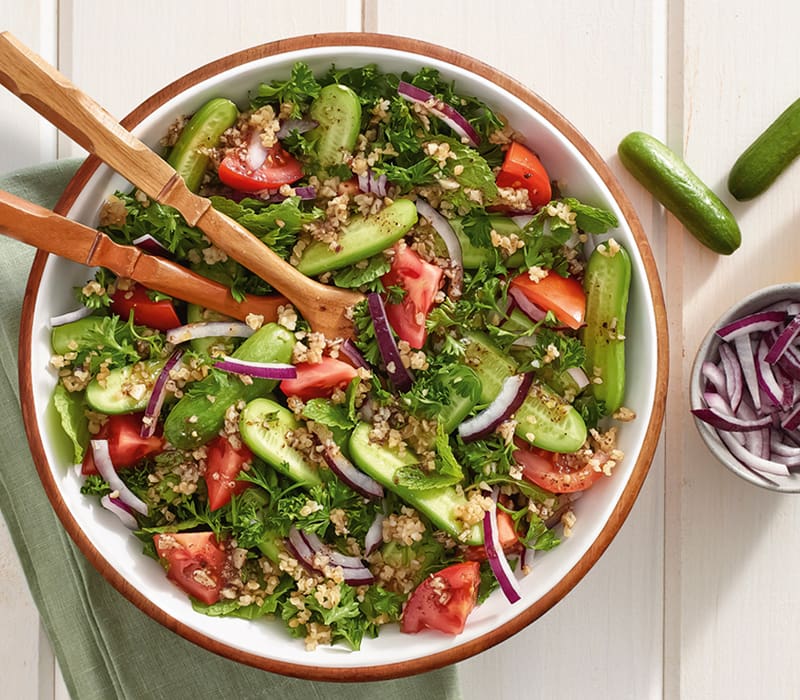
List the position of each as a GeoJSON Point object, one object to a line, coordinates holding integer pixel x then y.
{"type": "Point", "coordinates": [458, 652]}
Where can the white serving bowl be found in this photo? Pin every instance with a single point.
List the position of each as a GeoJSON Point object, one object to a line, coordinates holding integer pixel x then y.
{"type": "Point", "coordinates": [117, 554]}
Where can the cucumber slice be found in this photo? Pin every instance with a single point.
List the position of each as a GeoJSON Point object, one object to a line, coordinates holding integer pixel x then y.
{"type": "Point", "coordinates": [607, 282]}
{"type": "Point", "coordinates": [203, 131]}
{"type": "Point", "coordinates": [74, 336]}
{"type": "Point", "coordinates": [113, 397]}
{"type": "Point", "coordinates": [337, 111]}
{"type": "Point", "coordinates": [464, 387]}
{"type": "Point", "coordinates": [263, 425]}
{"type": "Point", "coordinates": [360, 239]}
{"type": "Point", "coordinates": [545, 420]}
{"type": "Point", "coordinates": [492, 365]}
{"type": "Point", "coordinates": [439, 505]}
{"type": "Point", "coordinates": [219, 345]}
{"type": "Point", "coordinates": [200, 414]}
{"type": "Point", "coordinates": [473, 256]}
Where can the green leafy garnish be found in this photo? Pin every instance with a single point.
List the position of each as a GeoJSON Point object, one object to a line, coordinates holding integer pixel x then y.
{"type": "Point", "coordinates": [299, 90]}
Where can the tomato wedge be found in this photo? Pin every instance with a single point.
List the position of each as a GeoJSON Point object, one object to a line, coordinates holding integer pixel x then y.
{"type": "Point", "coordinates": [316, 380]}
{"type": "Point", "coordinates": [553, 471]}
{"type": "Point", "coordinates": [194, 561]}
{"type": "Point", "coordinates": [160, 315]}
{"type": "Point", "coordinates": [125, 445]}
{"type": "Point", "coordinates": [564, 296]}
{"type": "Point", "coordinates": [421, 281]}
{"type": "Point", "coordinates": [223, 464]}
{"type": "Point", "coordinates": [443, 600]}
{"type": "Point", "coordinates": [522, 169]}
{"type": "Point", "coordinates": [507, 534]}
{"type": "Point", "coordinates": [279, 168]}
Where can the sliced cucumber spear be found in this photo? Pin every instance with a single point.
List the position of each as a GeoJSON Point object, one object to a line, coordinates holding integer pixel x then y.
{"type": "Point", "coordinates": [189, 156]}
{"type": "Point", "coordinates": [607, 284]}
{"type": "Point", "coordinates": [360, 239]}
{"type": "Point", "coordinates": [337, 111]}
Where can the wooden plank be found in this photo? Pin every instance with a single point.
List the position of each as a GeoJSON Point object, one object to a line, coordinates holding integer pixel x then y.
{"type": "Point", "coordinates": [739, 626]}
{"type": "Point", "coordinates": [604, 639]}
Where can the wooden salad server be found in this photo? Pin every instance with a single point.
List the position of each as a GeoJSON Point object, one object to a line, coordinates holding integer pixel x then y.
{"type": "Point", "coordinates": [56, 234]}
{"type": "Point", "coordinates": [43, 88]}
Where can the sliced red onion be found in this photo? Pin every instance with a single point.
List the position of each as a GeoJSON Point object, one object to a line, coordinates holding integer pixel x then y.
{"type": "Point", "coordinates": [118, 508]}
{"type": "Point", "coordinates": [398, 374]}
{"type": "Point", "coordinates": [306, 546]}
{"type": "Point", "coordinates": [513, 392]}
{"type": "Point", "coordinates": [102, 460]}
{"type": "Point", "coordinates": [766, 378]}
{"type": "Point", "coordinates": [257, 152]}
{"type": "Point", "coordinates": [728, 422]}
{"type": "Point", "coordinates": [353, 354]}
{"type": "Point", "coordinates": [716, 376]}
{"type": "Point", "coordinates": [753, 323]}
{"type": "Point", "coordinates": [261, 370]}
{"type": "Point", "coordinates": [579, 376]}
{"type": "Point", "coordinates": [150, 245]}
{"type": "Point", "coordinates": [153, 410]}
{"type": "Point", "coordinates": [444, 229]}
{"type": "Point", "coordinates": [371, 183]}
{"type": "Point", "coordinates": [732, 370]}
{"type": "Point", "coordinates": [751, 460]}
{"type": "Point", "coordinates": [525, 562]}
{"type": "Point", "coordinates": [781, 448]}
{"type": "Point", "coordinates": [747, 361]}
{"type": "Point", "coordinates": [208, 329]}
{"type": "Point", "coordinates": [792, 420]}
{"type": "Point", "coordinates": [444, 111]}
{"type": "Point", "coordinates": [531, 310]}
{"type": "Point", "coordinates": [301, 126]}
{"type": "Point", "coordinates": [350, 474]}
{"type": "Point", "coordinates": [305, 193]}
{"type": "Point", "coordinates": [495, 555]}
{"type": "Point", "coordinates": [70, 316]}
{"type": "Point", "coordinates": [786, 337]}
{"type": "Point", "coordinates": [374, 537]}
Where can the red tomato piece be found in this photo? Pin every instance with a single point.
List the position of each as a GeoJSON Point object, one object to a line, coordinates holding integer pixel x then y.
{"type": "Point", "coordinates": [223, 464]}
{"type": "Point", "coordinates": [160, 315]}
{"type": "Point", "coordinates": [319, 379]}
{"type": "Point", "coordinates": [279, 168]}
{"type": "Point", "coordinates": [126, 446]}
{"type": "Point", "coordinates": [443, 600]}
{"type": "Point", "coordinates": [556, 472]}
{"type": "Point", "coordinates": [564, 296]}
{"type": "Point", "coordinates": [194, 561]}
{"type": "Point", "coordinates": [507, 532]}
{"type": "Point", "coordinates": [522, 169]}
{"type": "Point", "coordinates": [421, 280]}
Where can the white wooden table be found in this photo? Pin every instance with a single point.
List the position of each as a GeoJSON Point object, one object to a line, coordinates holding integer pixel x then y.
{"type": "Point", "coordinates": [696, 597]}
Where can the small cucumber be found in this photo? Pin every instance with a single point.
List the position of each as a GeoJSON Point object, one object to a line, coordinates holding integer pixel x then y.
{"type": "Point", "coordinates": [674, 185]}
{"type": "Point", "coordinates": [464, 387]}
{"type": "Point", "coordinates": [219, 345]}
{"type": "Point", "coordinates": [473, 256]}
{"type": "Point", "coordinates": [337, 111]}
{"type": "Point", "coordinates": [263, 425]}
{"type": "Point", "coordinates": [768, 156]}
{"type": "Point", "coordinates": [112, 396]}
{"type": "Point", "coordinates": [544, 419]}
{"type": "Point", "coordinates": [73, 336]}
{"type": "Point", "coordinates": [188, 155]}
{"type": "Point", "coordinates": [382, 464]}
{"type": "Point", "coordinates": [490, 363]}
{"type": "Point", "coordinates": [360, 239]}
{"type": "Point", "coordinates": [200, 413]}
{"type": "Point", "coordinates": [607, 282]}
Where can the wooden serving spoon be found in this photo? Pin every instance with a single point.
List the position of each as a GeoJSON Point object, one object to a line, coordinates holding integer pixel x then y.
{"type": "Point", "coordinates": [53, 233]}
{"type": "Point", "coordinates": [51, 94]}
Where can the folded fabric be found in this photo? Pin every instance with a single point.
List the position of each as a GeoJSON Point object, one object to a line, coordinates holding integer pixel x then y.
{"type": "Point", "coordinates": [105, 646]}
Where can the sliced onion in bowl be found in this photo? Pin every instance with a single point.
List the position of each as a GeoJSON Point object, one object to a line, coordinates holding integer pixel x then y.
{"type": "Point", "coordinates": [261, 370]}
{"type": "Point", "coordinates": [208, 329]}
{"type": "Point", "coordinates": [495, 555]}
{"type": "Point", "coordinates": [448, 114]}
{"type": "Point", "coordinates": [151, 413]}
{"type": "Point", "coordinates": [390, 354]}
{"type": "Point", "coordinates": [122, 511]}
{"type": "Point", "coordinates": [102, 460]}
{"type": "Point", "coordinates": [513, 392]}
{"type": "Point", "coordinates": [350, 474]}
{"type": "Point", "coordinates": [70, 316]}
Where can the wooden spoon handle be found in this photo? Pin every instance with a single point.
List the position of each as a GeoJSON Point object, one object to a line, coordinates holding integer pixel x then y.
{"type": "Point", "coordinates": [51, 94]}
{"type": "Point", "coordinates": [48, 231]}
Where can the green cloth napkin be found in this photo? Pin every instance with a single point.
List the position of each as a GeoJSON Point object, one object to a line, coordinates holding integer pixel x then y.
{"type": "Point", "coordinates": [105, 646]}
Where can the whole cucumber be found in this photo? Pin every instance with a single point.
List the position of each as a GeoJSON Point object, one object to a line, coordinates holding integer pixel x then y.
{"type": "Point", "coordinates": [200, 413]}
{"type": "Point", "coordinates": [667, 177]}
{"type": "Point", "coordinates": [768, 156]}
{"type": "Point", "coordinates": [607, 284]}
